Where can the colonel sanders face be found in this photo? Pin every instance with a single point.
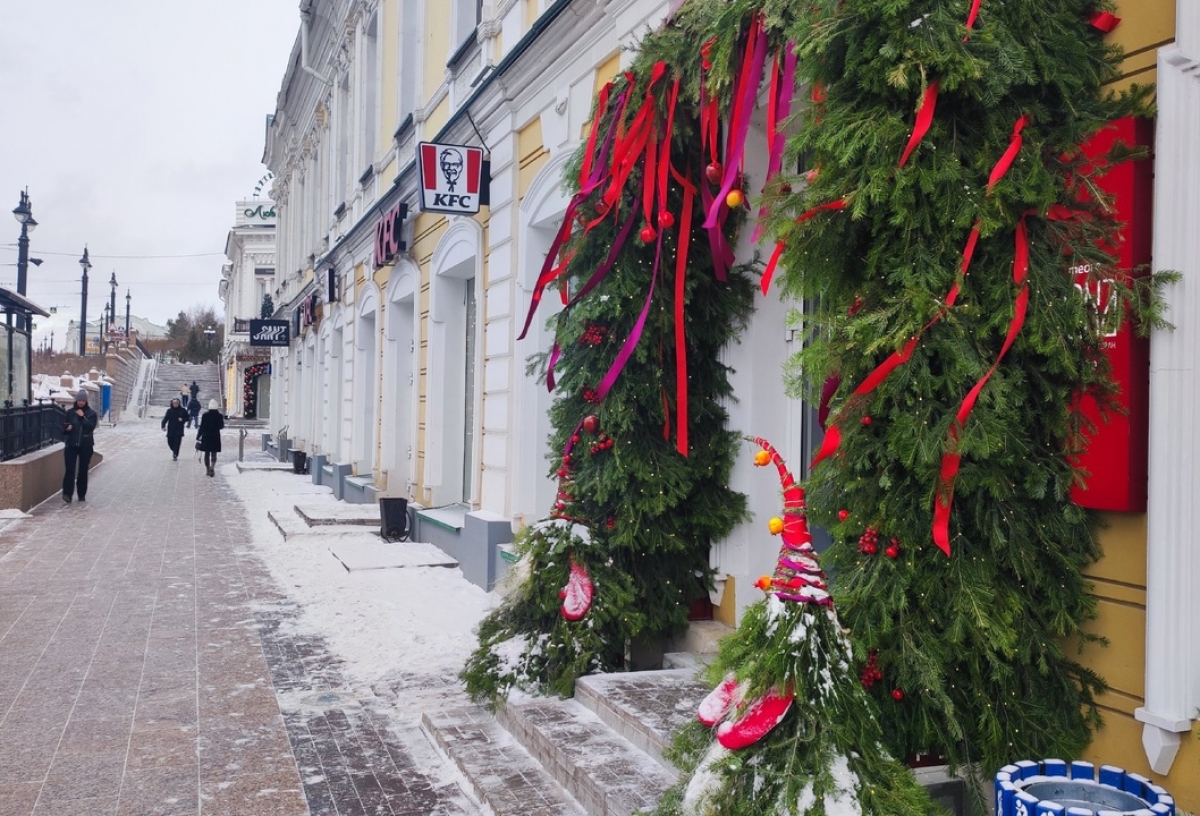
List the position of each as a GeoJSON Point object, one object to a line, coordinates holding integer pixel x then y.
{"type": "Point", "coordinates": [452, 166]}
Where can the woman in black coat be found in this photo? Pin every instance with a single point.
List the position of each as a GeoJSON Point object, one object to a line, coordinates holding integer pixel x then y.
{"type": "Point", "coordinates": [208, 438]}
{"type": "Point", "coordinates": [173, 422]}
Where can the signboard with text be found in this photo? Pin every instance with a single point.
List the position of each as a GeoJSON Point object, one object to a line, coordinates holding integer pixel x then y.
{"type": "Point", "coordinates": [453, 178]}
{"type": "Point", "coordinates": [269, 332]}
{"type": "Point", "coordinates": [1116, 455]}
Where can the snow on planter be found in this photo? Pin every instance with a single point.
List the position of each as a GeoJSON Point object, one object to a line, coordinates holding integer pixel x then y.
{"type": "Point", "coordinates": [1054, 786]}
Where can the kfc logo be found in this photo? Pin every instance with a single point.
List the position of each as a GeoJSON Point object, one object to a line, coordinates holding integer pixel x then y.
{"type": "Point", "coordinates": [454, 178]}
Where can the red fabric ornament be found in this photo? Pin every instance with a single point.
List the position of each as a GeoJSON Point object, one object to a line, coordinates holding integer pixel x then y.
{"type": "Point", "coordinates": [591, 423]}
{"type": "Point", "coordinates": [666, 220]}
{"type": "Point", "coordinates": [713, 173]}
{"type": "Point", "coordinates": [647, 234]}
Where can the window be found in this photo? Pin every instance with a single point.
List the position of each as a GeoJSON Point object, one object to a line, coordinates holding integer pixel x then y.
{"type": "Point", "coordinates": [465, 16]}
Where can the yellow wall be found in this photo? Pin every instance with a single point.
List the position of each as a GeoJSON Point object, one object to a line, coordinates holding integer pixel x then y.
{"type": "Point", "coordinates": [531, 156]}
{"type": "Point", "coordinates": [389, 117]}
{"type": "Point", "coordinates": [427, 231]}
{"type": "Point", "coordinates": [436, 49]}
{"type": "Point", "coordinates": [1146, 26]}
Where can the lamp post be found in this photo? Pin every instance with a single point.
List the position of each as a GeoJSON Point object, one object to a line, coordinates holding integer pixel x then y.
{"type": "Point", "coordinates": [112, 302]}
{"type": "Point", "coordinates": [85, 264]}
{"type": "Point", "coordinates": [208, 334]}
{"type": "Point", "coordinates": [127, 299]}
{"type": "Point", "coordinates": [24, 215]}
{"type": "Point", "coordinates": [102, 338]}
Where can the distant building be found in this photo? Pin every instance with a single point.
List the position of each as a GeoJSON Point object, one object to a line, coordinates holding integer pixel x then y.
{"type": "Point", "coordinates": [247, 279]}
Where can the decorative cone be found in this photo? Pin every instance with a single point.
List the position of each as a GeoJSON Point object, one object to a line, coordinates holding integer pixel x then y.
{"type": "Point", "coordinates": [795, 731]}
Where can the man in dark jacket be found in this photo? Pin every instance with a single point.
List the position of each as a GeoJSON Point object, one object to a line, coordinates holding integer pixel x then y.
{"type": "Point", "coordinates": [78, 437]}
{"type": "Point", "coordinates": [173, 422]}
{"type": "Point", "coordinates": [193, 409]}
{"type": "Point", "coordinates": [194, 390]}
{"type": "Point", "coordinates": [208, 438]}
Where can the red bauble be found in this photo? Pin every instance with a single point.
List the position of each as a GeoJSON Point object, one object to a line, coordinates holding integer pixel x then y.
{"type": "Point", "coordinates": [647, 234]}
{"type": "Point", "coordinates": [866, 420]}
{"type": "Point", "coordinates": [897, 695]}
{"type": "Point", "coordinates": [601, 207]}
{"type": "Point", "coordinates": [713, 173]}
{"type": "Point", "coordinates": [843, 515]}
{"type": "Point", "coordinates": [666, 220]}
{"type": "Point", "coordinates": [869, 548]}
{"type": "Point", "coordinates": [892, 552]}
{"type": "Point", "coordinates": [591, 423]}
{"type": "Point", "coordinates": [575, 439]}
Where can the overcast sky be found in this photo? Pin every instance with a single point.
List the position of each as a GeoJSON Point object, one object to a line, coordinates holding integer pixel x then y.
{"type": "Point", "coordinates": [135, 125]}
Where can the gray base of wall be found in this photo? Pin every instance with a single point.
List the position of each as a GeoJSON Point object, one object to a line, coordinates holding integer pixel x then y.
{"type": "Point", "coordinates": [473, 539]}
{"type": "Point", "coordinates": [29, 480]}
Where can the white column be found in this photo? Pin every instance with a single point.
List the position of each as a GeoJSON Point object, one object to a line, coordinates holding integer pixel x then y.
{"type": "Point", "coordinates": [1172, 663]}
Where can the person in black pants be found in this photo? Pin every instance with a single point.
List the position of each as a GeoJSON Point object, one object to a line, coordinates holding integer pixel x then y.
{"type": "Point", "coordinates": [173, 422]}
{"type": "Point", "coordinates": [78, 437]}
{"type": "Point", "coordinates": [208, 438]}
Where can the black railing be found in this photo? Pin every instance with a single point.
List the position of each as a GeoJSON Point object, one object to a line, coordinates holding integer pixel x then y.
{"type": "Point", "coordinates": [27, 428]}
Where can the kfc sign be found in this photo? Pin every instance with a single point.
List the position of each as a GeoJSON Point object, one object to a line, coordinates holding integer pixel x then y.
{"type": "Point", "coordinates": [388, 240]}
{"type": "Point", "coordinates": [453, 178]}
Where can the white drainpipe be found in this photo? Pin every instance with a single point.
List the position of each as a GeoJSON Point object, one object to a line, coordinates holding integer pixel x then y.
{"type": "Point", "coordinates": [306, 16]}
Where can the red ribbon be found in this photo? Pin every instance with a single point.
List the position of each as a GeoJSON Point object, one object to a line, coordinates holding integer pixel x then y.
{"type": "Point", "coordinates": [1105, 21]}
{"type": "Point", "coordinates": [1010, 155]}
{"type": "Point", "coordinates": [944, 496]}
{"type": "Point", "coordinates": [923, 121]}
{"type": "Point", "coordinates": [585, 170]}
{"type": "Point", "coordinates": [769, 272]}
{"type": "Point", "coordinates": [684, 240]}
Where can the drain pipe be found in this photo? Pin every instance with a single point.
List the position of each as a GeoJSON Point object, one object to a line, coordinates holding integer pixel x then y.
{"type": "Point", "coordinates": [306, 17]}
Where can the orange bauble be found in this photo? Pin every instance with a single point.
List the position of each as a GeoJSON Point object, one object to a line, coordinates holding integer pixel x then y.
{"type": "Point", "coordinates": [775, 525]}
{"type": "Point", "coordinates": [735, 199]}
{"type": "Point", "coordinates": [762, 459]}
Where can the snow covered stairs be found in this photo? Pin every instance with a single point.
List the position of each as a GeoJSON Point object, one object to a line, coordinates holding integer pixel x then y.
{"type": "Point", "coordinates": [599, 754]}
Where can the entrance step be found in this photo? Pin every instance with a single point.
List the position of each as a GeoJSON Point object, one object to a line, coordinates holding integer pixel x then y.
{"type": "Point", "coordinates": [502, 774]}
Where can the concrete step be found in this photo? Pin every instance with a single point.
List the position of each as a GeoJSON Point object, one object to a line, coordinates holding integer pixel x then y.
{"type": "Point", "coordinates": [601, 770]}
{"type": "Point", "coordinates": [341, 513]}
{"type": "Point", "coordinates": [501, 774]}
{"type": "Point", "coordinates": [643, 707]}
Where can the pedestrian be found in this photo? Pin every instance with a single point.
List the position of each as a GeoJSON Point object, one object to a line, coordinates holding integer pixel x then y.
{"type": "Point", "coordinates": [184, 395]}
{"type": "Point", "coordinates": [193, 409]}
{"type": "Point", "coordinates": [173, 422]}
{"type": "Point", "coordinates": [208, 438]}
{"type": "Point", "coordinates": [194, 390]}
{"type": "Point", "coordinates": [78, 436]}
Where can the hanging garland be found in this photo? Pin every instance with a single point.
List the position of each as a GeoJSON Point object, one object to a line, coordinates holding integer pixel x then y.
{"type": "Point", "coordinates": [249, 391]}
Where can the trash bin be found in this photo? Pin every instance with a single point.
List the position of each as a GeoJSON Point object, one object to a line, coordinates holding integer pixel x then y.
{"type": "Point", "coordinates": [393, 515]}
{"type": "Point", "coordinates": [1054, 786]}
{"type": "Point", "coordinates": [299, 462]}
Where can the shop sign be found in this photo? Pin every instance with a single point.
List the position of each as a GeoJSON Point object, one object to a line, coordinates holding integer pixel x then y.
{"type": "Point", "coordinates": [269, 332]}
{"type": "Point", "coordinates": [453, 178]}
{"type": "Point", "coordinates": [388, 235]}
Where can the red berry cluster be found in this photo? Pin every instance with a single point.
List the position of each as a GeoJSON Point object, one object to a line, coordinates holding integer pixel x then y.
{"type": "Point", "coordinates": [893, 549]}
{"type": "Point", "coordinates": [868, 542]}
{"type": "Point", "coordinates": [593, 335]}
{"type": "Point", "coordinates": [590, 395]}
{"type": "Point", "coordinates": [871, 674]}
{"type": "Point", "coordinates": [603, 443]}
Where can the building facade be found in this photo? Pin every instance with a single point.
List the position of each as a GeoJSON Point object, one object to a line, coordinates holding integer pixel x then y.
{"type": "Point", "coordinates": [404, 372]}
{"type": "Point", "coordinates": [247, 284]}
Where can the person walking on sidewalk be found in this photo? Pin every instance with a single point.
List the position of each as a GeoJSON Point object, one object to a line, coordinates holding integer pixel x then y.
{"type": "Point", "coordinates": [194, 390]}
{"type": "Point", "coordinates": [173, 422]}
{"type": "Point", "coordinates": [208, 438]}
{"type": "Point", "coordinates": [78, 436]}
{"type": "Point", "coordinates": [193, 409]}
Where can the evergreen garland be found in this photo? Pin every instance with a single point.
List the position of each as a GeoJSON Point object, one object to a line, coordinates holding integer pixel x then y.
{"type": "Point", "coordinates": [972, 647]}
{"type": "Point", "coordinates": [644, 516]}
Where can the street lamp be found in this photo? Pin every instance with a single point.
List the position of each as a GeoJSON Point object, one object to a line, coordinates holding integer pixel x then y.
{"type": "Point", "coordinates": [127, 299]}
{"type": "Point", "coordinates": [85, 264]}
{"type": "Point", "coordinates": [112, 302]}
{"type": "Point", "coordinates": [102, 340]}
{"type": "Point", "coordinates": [24, 215]}
{"type": "Point", "coordinates": [208, 335]}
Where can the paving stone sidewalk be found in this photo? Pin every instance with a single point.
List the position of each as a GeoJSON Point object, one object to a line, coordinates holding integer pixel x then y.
{"type": "Point", "coordinates": [145, 669]}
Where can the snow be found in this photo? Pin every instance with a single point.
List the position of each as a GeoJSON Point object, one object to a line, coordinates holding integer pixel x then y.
{"type": "Point", "coordinates": [382, 623]}
{"type": "Point", "coordinates": [705, 782]}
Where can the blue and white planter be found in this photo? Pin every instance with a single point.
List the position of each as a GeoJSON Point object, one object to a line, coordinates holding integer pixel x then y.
{"type": "Point", "coordinates": [1054, 787]}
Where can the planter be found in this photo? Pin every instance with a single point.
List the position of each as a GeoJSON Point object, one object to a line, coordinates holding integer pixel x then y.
{"type": "Point", "coordinates": [1053, 786]}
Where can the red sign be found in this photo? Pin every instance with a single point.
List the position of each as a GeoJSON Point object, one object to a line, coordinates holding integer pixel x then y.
{"type": "Point", "coordinates": [452, 178]}
{"type": "Point", "coordinates": [1116, 456]}
{"type": "Point", "coordinates": [388, 241]}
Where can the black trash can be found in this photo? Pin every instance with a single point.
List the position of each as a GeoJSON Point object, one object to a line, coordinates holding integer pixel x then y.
{"type": "Point", "coordinates": [299, 462]}
{"type": "Point", "coordinates": [393, 515]}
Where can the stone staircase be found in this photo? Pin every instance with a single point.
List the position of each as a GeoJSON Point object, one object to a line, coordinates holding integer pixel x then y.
{"type": "Point", "coordinates": [168, 377]}
{"type": "Point", "coordinates": [599, 754]}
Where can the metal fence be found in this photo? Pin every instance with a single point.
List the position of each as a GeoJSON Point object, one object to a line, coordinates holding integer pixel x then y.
{"type": "Point", "coordinates": [28, 428]}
